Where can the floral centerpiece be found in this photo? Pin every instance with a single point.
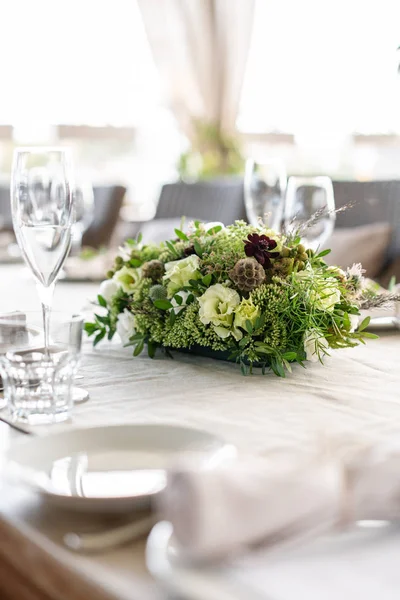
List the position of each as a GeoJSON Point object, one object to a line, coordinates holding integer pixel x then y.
{"type": "Point", "coordinates": [241, 292]}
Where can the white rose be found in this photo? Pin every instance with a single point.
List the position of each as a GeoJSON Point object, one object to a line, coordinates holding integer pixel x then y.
{"type": "Point", "coordinates": [178, 273]}
{"type": "Point", "coordinates": [177, 308]}
{"type": "Point", "coordinates": [108, 289]}
{"type": "Point", "coordinates": [128, 279]}
{"type": "Point", "coordinates": [315, 345]}
{"type": "Point", "coordinates": [217, 306]}
{"type": "Point", "coordinates": [125, 326]}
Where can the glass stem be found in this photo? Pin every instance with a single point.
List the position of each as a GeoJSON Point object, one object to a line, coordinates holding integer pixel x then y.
{"type": "Point", "coordinates": [46, 298]}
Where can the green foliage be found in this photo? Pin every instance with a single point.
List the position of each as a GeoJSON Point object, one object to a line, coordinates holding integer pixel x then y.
{"type": "Point", "coordinates": [213, 153]}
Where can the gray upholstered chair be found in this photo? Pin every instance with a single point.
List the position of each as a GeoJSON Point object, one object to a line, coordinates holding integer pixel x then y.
{"type": "Point", "coordinates": [5, 209]}
{"type": "Point", "coordinates": [375, 202]}
{"type": "Point", "coordinates": [107, 205]}
{"type": "Point", "coordinates": [217, 200]}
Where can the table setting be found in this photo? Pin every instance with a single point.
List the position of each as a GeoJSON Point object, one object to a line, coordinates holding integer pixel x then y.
{"type": "Point", "coordinates": [218, 419]}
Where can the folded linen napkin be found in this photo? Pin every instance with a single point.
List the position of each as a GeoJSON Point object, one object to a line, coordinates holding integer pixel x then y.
{"type": "Point", "coordinates": [222, 512]}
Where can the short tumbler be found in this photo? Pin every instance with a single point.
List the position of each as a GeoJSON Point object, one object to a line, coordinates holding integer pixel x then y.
{"type": "Point", "coordinates": [38, 383]}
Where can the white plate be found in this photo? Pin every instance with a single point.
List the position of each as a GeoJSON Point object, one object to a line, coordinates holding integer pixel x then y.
{"type": "Point", "coordinates": [115, 468]}
{"type": "Point", "coordinates": [359, 563]}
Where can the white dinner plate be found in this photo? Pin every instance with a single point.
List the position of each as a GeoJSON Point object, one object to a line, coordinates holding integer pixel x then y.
{"type": "Point", "coordinates": [109, 469]}
{"type": "Point", "coordinates": [361, 562]}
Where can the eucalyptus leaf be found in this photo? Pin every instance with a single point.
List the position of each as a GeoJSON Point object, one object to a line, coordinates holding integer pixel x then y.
{"type": "Point", "coordinates": [90, 328]}
{"type": "Point", "coordinates": [323, 253]}
{"type": "Point", "coordinates": [244, 341]}
{"type": "Point", "coordinates": [102, 301]}
{"type": "Point", "coordinates": [103, 319]}
{"type": "Point", "coordinates": [364, 323]}
{"type": "Point", "coordinates": [370, 336]}
{"type": "Point", "coordinates": [214, 230]}
{"type": "Point", "coordinates": [249, 327]}
{"type": "Point", "coordinates": [182, 236]}
{"type": "Point", "coordinates": [99, 337]}
{"type": "Point", "coordinates": [138, 348]}
{"type": "Point", "coordinates": [151, 349]}
{"type": "Point", "coordinates": [198, 248]}
{"type": "Point", "coordinates": [162, 304]}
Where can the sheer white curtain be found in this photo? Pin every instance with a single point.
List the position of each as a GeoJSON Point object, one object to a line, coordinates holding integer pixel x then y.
{"type": "Point", "coordinates": [200, 48]}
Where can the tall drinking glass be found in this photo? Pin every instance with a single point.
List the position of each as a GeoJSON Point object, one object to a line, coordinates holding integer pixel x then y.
{"type": "Point", "coordinates": [43, 215]}
{"type": "Point", "coordinates": [310, 205]}
{"type": "Point", "coordinates": [264, 191]}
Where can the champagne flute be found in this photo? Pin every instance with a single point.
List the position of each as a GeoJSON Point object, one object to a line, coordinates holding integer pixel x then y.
{"type": "Point", "coordinates": [264, 191]}
{"type": "Point", "coordinates": [43, 215]}
{"type": "Point", "coordinates": [306, 198]}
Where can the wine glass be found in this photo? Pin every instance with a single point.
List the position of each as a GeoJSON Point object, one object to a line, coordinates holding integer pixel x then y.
{"type": "Point", "coordinates": [309, 207]}
{"type": "Point", "coordinates": [83, 198]}
{"type": "Point", "coordinates": [264, 192]}
{"type": "Point", "coordinates": [43, 215]}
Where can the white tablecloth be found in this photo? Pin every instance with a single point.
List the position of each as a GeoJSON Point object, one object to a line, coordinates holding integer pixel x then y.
{"type": "Point", "coordinates": [356, 393]}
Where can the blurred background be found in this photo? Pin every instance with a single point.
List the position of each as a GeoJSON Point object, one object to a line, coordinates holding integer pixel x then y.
{"type": "Point", "coordinates": [156, 92]}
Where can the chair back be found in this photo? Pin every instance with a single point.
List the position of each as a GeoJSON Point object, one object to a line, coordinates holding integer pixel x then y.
{"type": "Point", "coordinates": [375, 202]}
{"type": "Point", "coordinates": [5, 209]}
{"type": "Point", "coordinates": [107, 205]}
{"type": "Point", "coordinates": [219, 200]}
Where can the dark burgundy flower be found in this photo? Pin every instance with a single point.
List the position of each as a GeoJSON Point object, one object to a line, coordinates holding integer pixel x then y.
{"type": "Point", "coordinates": [189, 250]}
{"type": "Point", "coordinates": [260, 247]}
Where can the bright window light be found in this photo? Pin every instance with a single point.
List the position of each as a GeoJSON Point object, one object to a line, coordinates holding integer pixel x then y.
{"type": "Point", "coordinates": [75, 62]}
{"type": "Point", "coordinates": [323, 69]}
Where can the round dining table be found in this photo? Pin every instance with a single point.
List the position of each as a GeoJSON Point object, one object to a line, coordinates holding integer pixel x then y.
{"type": "Point", "coordinates": [355, 394]}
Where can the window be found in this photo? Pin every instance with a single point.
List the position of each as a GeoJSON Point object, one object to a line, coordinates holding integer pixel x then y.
{"type": "Point", "coordinates": [75, 62]}
{"type": "Point", "coordinates": [320, 69]}
{"type": "Point", "coordinates": [70, 64]}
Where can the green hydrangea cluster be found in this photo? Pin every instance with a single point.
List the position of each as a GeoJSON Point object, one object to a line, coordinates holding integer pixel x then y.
{"type": "Point", "coordinates": [203, 335]}
{"type": "Point", "coordinates": [175, 251]}
{"type": "Point", "coordinates": [141, 293]}
{"type": "Point", "coordinates": [149, 321]}
{"type": "Point", "coordinates": [119, 303]}
{"type": "Point", "coordinates": [272, 298]}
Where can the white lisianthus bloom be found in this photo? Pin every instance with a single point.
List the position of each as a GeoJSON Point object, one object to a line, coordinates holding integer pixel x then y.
{"type": "Point", "coordinates": [315, 345]}
{"type": "Point", "coordinates": [108, 289]}
{"type": "Point", "coordinates": [178, 273]}
{"type": "Point", "coordinates": [125, 326]}
{"type": "Point", "coordinates": [246, 311]}
{"type": "Point", "coordinates": [217, 306]}
{"type": "Point", "coordinates": [177, 308]}
{"type": "Point", "coordinates": [128, 279]}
